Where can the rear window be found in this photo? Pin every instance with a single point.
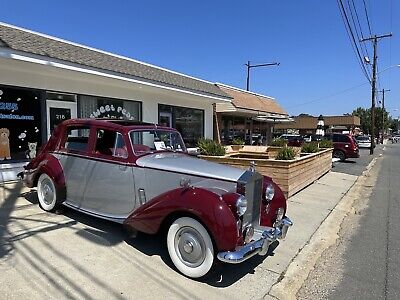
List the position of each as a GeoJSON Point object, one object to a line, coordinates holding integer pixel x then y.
{"type": "Point", "coordinates": [77, 138]}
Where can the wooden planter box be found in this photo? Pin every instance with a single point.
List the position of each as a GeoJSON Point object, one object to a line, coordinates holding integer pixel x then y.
{"type": "Point", "coordinates": [291, 175]}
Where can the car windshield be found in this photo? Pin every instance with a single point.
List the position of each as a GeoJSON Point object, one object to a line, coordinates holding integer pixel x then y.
{"type": "Point", "coordinates": [362, 138]}
{"type": "Point", "coordinates": [150, 141]}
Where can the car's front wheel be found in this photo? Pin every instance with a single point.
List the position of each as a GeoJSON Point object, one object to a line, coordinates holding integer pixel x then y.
{"type": "Point", "coordinates": [339, 154]}
{"type": "Point", "coordinates": [47, 192]}
{"type": "Point", "coordinates": [190, 247]}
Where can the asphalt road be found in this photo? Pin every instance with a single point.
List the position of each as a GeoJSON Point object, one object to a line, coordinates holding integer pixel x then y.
{"type": "Point", "coordinates": [364, 263]}
{"type": "Point", "coordinates": [355, 166]}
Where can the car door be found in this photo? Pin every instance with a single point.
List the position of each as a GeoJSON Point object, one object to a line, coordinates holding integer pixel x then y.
{"type": "Point", "coordinates": [73, 157]}
{"type": "Point", "coordinates": [110, 190]}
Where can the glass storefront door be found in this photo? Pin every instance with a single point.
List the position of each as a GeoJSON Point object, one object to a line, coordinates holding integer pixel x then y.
{"type": "Point", "coordinates": [58, 111]}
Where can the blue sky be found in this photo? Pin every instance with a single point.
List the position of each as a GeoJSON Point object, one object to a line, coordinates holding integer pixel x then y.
{"type": "Point", "coordinates": [213, 40]}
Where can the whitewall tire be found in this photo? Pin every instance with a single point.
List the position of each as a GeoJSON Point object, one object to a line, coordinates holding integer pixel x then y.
{"type": "Point", "coordinates": [190, 247]}
{"type": "Point", "coordinates": [47, 192]}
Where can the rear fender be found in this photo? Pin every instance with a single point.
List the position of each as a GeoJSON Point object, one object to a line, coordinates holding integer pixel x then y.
{"type": "Point", "coordinates": [52, 167]}
{"type": "Point", "coordinates": [206, 206]}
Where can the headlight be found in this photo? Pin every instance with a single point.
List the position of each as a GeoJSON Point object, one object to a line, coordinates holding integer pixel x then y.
{"type": "Point", "coordinates": [241, 205]}
{"type": "Point", "coordinates": [269, 192]}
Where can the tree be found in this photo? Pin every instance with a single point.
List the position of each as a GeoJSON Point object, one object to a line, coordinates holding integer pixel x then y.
{"type": "Point", "coordinates": [365, 119]}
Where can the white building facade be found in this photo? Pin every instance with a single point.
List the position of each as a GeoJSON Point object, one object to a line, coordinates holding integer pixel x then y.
{"type": "Point", "coordinates": [45, 80]}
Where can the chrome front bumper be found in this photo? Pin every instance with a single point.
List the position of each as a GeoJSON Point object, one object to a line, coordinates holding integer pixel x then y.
{"type": "Point", "coordinates": [260, 246]}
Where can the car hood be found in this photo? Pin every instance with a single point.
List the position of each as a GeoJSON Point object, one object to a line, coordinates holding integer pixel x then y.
{"type": "Point", "coordinates": [185, 164]}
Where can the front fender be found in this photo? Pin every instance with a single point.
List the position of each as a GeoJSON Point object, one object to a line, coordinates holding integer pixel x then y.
{"type": "Point", "coordinates": [203, 204]}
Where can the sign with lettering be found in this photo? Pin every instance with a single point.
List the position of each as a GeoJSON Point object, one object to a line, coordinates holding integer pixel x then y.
{"type": "Point", "coordinates": [57, 115]}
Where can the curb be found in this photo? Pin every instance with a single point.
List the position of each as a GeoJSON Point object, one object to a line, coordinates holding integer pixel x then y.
{"type": "Point", "coordinates": [291, 281]}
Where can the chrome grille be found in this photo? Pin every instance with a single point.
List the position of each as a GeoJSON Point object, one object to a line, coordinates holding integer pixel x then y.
{"type": "Point", "coordinates": [253, 194]}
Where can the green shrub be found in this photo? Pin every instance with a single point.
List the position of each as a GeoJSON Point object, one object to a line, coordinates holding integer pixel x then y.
{"type": "Point", "coordinates": [286, 153]}
{"type": "Point", "coordinates": [237, 141]}
{"type": "Point", "coordinates": [311, 147]}
{"type": "Point", "coordinates": [210, 147]}
{"type": "Point", "coordinates": [278, 143]}
{"type": "Point", "coordinates": [325, 144]}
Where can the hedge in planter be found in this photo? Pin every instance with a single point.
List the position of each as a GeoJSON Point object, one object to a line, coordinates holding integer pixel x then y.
{"type": "Point", "coordinates": [286, 153]}
{"type": "Point", "coordinates": [310, 148]}
{"type": "Point", "coordinates": [278, 143]}
{"type": "Point", "coordinates": [210, 147]}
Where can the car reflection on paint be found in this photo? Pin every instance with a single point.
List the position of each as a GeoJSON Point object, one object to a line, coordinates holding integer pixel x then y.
{"type": "Point", "coordinates": [140, 175]}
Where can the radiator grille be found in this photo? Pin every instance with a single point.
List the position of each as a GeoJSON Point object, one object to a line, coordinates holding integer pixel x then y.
{"type": "Point", "coordinates": [253, 195]}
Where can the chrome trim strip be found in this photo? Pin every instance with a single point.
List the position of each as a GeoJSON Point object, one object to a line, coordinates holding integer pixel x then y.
{"type": "Point", "coordinates": [259, 246]}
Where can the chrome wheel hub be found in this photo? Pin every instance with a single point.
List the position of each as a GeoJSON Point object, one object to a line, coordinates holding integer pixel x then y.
{"type": "Point", "coordinates": [47, 191]}
{"type": "Point", "coordinates": [190, 246]}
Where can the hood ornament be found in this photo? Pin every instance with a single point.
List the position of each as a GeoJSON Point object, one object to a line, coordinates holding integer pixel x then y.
{"type": "Point", "coordinates": [252, 167]}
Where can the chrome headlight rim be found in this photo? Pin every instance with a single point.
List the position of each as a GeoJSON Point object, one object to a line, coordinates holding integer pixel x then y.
{"type": "Point", "coordinates": [241, 205]}
{"type": "Point", "coordinates": [269, 192]}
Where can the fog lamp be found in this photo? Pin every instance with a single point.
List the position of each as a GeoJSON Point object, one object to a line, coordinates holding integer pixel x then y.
{"type": "Point", "coordinates": [248, 234]}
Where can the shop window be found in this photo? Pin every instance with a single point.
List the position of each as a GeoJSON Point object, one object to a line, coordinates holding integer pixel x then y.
{"type": "Point", "coordinates": [100, 107]}
{"type": "Point", "coordinates": [188, 121]}
{"type": "Point", "coordinates": [20, 124]}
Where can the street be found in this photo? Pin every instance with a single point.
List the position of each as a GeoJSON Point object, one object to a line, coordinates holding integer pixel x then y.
{"type": "Point", "coordinates": [364, 263]}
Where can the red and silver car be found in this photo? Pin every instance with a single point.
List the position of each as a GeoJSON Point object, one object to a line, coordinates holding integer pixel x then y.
{"type": "Point", "coordinates": [140, 175]}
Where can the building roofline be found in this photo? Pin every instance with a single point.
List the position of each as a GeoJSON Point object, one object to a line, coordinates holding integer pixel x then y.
{"type": "Point", "coordinates": [244, 91]}
{"type": "Point", "coordinates": [108, 53]}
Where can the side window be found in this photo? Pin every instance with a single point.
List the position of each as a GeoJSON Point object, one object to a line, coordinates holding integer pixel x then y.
{"type": "Point", "coordinates": [110, 143]}
{"type": "Point", "coordinates": [77, 139]}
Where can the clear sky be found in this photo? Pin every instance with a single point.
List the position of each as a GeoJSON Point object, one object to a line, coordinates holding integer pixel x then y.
{"type": "Point", "coordinates": [212, 40]}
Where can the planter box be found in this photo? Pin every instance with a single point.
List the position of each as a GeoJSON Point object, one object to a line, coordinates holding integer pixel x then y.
{"type": "Point", "coordinates": [291, 175]}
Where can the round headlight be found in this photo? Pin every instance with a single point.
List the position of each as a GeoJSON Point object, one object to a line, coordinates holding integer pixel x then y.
{"type": "Point", "coordinates": [269, 192]}
{"type": "Point", "coordinates": [241, 205]}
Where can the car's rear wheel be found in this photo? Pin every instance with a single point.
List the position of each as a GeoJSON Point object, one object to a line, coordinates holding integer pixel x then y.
{"type": "Point", "coordinates": [190, 247]}
{"type": "Point", "coordinates": [339, 154]}
{"type": "Point", "coordinates": [47, 192]}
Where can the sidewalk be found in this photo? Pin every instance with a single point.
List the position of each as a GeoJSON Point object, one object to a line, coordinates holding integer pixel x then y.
{"type": "Point", "coordinates": [39, 254]}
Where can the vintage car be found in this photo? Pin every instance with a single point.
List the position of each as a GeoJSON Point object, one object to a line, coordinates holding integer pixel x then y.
{"type": "Point", "coordinates": [140, 175]}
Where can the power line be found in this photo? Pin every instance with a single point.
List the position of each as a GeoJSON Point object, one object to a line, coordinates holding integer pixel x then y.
{"type": "Point", "coordinates": [360, 27]}
{"type": "Point", "coordinates": [366, 14]}
{"type": "Point", "coordinates": [352, 38]}
{"type": "Point", "coordinates": [329, 96]}
{"type": "Point", "coordinates": [359, 35]}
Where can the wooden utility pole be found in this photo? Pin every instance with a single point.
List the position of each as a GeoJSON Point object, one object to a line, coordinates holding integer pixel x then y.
{"type": "Point", "coordinates": [383, 112]}
{"type": "Point", "coordinates": [374, 40]}
{"type": "Point", "coordinates": [249, 66]}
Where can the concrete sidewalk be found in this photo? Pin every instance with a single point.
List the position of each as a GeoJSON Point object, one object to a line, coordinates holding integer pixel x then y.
{"type": "Point", "coordinates": [76, 256]}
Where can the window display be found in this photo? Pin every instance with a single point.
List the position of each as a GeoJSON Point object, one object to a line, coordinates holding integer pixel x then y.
{"type": "Point", "coordinates": [20, 124]}
{"type": "Point", "coordinates": [99, 107]}
{"type": "Point", "coordinates": [188, 121]}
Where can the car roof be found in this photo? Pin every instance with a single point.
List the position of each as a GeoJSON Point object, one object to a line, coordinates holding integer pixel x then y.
{"type": "Point", "coordinates": [117, 124]}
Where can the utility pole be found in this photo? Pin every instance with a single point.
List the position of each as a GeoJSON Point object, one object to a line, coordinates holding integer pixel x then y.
{"type": "Point", "coordinates": [249, 66]}
{"type": "Point", "coordinates": [383, 112]}
{"type": "Point", "coordinates": [374, 40]}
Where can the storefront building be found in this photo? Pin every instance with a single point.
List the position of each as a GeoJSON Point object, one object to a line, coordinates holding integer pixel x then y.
{"type": "Point", "coordinates": [45, 80]}
{"type": "Point", "coordinates": [307, 125]}
{"type": "Point", "coordinates": [249, 117]}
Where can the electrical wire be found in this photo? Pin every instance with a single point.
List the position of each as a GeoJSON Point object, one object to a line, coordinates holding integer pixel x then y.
{"type": "Point", "coordinates": [358, 31]}
{"type": "Point", "coordinates": [366, 14]}
{"type": "Point", "coordinates": [352, 39]}
{"type": "Point", "coordinates": [329, 96]}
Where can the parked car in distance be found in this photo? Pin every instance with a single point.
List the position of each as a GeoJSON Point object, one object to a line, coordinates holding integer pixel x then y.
{"type": "Point", "coordinates": [363, 141]}
{"type": "Point", "coordinates": [294, 140]}
{"type": "Point", "coordinates": [344, 146]}
{"type": "Point", "coordinates": [139, 175]}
